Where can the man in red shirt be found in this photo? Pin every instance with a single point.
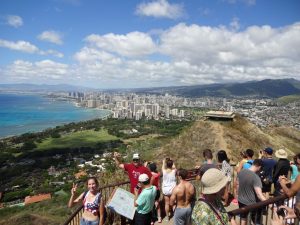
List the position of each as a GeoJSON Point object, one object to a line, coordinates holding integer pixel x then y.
{"type": "Point", "coordinates": [134, 169]}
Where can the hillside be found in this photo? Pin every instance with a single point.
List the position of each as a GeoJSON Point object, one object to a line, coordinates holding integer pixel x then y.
{"type": "Point", "coordinates": [264, 88]}
{"type": "Point", "coordinates": [230, 136]}
{"type": "Point", "coordinates": [184, 146]}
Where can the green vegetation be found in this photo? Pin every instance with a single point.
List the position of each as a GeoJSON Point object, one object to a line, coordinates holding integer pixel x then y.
{"type": "Point", "coordinates": [289, 99]}
{"type": "Point", "coordinates": [50, 212]}
{"type": "Point", "coordinates": [63, 148]}
{"type": "Point", "coordinates": [85, 138]}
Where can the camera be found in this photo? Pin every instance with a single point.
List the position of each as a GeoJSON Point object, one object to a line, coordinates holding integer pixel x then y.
{"type": "Point", "coordinates": [281, 212]}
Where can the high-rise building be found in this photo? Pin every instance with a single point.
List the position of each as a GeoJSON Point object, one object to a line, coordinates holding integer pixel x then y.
{"type": "Point", "coordinates": [181, 113]}
{"type": "Point", "coordinates": [167, 111]}
{"type": "Point", "coordinates": [91, 103]}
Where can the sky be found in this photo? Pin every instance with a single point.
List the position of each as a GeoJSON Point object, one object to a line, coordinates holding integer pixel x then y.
{"type": "Point", "coordinates": [141, 43]}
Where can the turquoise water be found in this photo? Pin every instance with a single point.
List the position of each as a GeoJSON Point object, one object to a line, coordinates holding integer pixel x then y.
{"type": "Point", "coordinates": [21, 113]}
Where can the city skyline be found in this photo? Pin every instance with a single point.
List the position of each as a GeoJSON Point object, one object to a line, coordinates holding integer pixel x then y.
{"type": "Point", "coordinates": [130, 44]}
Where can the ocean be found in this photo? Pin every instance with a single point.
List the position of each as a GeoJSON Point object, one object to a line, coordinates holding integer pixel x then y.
{"type": "Point", "coordinates": [22, 113]}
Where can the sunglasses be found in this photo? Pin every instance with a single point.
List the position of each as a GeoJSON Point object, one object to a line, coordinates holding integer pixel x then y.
{"type": "Point", "coordinates": [135, 160]}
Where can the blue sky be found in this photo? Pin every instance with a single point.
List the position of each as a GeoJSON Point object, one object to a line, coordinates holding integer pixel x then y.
{"type": "Point", "coordinates": [131, 43]}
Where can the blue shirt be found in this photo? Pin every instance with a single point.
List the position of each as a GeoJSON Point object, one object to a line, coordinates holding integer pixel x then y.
{"type": "Point", "coordinates": [248, 164]}
{"type": "Point", "coordinates": [268, 166]}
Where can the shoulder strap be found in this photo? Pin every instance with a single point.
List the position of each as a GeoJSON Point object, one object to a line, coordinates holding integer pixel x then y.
{"type": "Point", "coordinates": [214, 210]}
{"type": "Point", "coordinates": [250, 162]}
{"type": "Point", "coordinates": [84, 195]}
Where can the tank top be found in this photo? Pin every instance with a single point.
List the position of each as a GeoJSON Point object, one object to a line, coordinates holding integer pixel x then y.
{"type": "Point", "coordinates": [93, 206]}
{"type": "Point", "coordinates": [169, 179]}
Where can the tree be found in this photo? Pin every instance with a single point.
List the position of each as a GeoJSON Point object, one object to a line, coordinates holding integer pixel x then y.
{"type": "Point", "coordinates": [28, 145]}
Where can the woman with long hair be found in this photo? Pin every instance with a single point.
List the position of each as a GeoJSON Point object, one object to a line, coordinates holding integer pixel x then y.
{"type": "Point", "coordinates": [92, 201]}
{"type": "Point", "coordinates": [227, 170]}
{"type": "Point", "coordinates": [168, 184]}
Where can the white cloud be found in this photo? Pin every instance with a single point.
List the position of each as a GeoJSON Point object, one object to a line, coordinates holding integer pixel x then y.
{"type": "Point", "coordinates": [51, 36]}
{"type": "Point", "coordinates": [182, 55]}
{"type": "Point", "coordinates": [134, 44]}
{"type": "Point", "coordinates": [27, 47]}
{"type": "Point", "coordinates": [22, 46]}
{"type": "Point", "coordinates": [90, 55]}
{"type": "Point", "coordinates": [160, 8]}
{"type": "Point", "coordinates": [37, 71]}
{"type": "Point", "coordinates": [13, 20]}
{"type": "Point", "coordinates": [247, 2]}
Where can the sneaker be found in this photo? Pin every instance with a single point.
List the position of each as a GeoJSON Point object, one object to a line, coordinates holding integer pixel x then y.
{"type": "Point", "coordinates": [159, 219]}
{"type": "Point", "coordinates": [166, 219]}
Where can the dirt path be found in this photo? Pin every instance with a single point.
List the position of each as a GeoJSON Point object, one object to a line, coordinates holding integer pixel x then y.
{"type": "Point", "coordinates": [220, 142]}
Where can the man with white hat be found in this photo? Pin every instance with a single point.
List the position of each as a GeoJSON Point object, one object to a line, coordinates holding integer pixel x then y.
{"type": "Point", "coordinates": [281, 168]}
{"type": "Point", "coordinates": [134, 169]}
{"type": "Point", "coordinates": [144, 201]}
{"type": "Point", "coordinates": [209, 209]}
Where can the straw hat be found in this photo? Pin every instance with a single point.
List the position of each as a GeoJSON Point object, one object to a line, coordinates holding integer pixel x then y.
{"type": "Point", "coordinates": [281, 154]}
{"type": "Point", "coordinates": [213, 180]}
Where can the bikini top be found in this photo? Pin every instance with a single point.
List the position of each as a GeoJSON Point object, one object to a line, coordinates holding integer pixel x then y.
{"type": "Point", "coordinates": [93, 206]}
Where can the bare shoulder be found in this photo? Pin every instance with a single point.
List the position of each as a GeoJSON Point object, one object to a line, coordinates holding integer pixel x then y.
{"type": "Point", "coordinates": [190, 187]}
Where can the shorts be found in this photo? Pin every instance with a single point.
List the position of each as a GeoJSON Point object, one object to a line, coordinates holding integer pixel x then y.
{"type": "Point", "coordinates": [168, 190]}
{"type": "Point", "coordinates": [88, 222]}
{"type": "Point", "coordinates": [182, 216]}
{"type": "Point", "coordinates": [255, 214]}
{"type": "Point", "coordinates": [142, 219]}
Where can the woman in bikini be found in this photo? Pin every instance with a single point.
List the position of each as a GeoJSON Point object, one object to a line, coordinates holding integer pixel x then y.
{"type": "Point", "coordinates": [92, 201]}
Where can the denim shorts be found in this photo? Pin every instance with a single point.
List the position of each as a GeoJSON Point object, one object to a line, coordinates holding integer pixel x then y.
{"type": "Point", "coordinates": [88, 222]}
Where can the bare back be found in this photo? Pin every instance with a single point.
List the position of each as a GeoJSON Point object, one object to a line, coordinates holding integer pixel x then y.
{"type": "Point", "coordinates": [185, 194]}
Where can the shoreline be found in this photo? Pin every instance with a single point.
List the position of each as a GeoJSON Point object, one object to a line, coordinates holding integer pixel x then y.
{"type": "Point", "coordinates": [36, 125]}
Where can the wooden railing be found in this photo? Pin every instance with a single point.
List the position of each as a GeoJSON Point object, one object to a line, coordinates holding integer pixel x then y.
{"type": "Point", "coordinates": [267, 208]}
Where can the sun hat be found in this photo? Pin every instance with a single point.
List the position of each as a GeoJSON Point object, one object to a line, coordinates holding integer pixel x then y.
{"type": "Point", "coordinates": [281, 154]}
{"type": "Point", "coordinates": [268, 150]}
{"type": "Point", "coordinates": [136, 156]}
{"type": "Point", "coordinates": [213, 180]}
{"type": "Point", "coordinates": [143, 177]}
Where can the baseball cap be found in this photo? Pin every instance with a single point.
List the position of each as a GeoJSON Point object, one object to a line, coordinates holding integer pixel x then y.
{"type": "Point", "coordinates": [136, 156]}
{"type": "Point", "coordinates": [269, 150]}
{"type": "Point", "coordinates": [143, 177]}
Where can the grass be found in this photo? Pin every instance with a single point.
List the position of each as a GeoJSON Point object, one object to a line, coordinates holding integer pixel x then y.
{"type": "Point", "coordinates": [289, 99]}
{"type": "Point", "coordinates": [50, 212]}
{"type": "Point", "coordinates": [86, 138]}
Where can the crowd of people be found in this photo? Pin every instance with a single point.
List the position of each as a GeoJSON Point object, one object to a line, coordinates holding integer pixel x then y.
{"type": "Point", "coordinates": [257, 178]}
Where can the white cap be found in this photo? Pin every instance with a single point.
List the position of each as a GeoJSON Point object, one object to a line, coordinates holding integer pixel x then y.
{"type": "Point", "coordinates": [136, 156]}
{"type": "Point", "coordinates": [143, 177]}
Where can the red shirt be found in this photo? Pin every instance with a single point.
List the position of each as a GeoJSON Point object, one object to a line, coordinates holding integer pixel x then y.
{"type": "Point", "coordinates": [134, 173]}
{"type": "Point", "coordinates": [156, 179]}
